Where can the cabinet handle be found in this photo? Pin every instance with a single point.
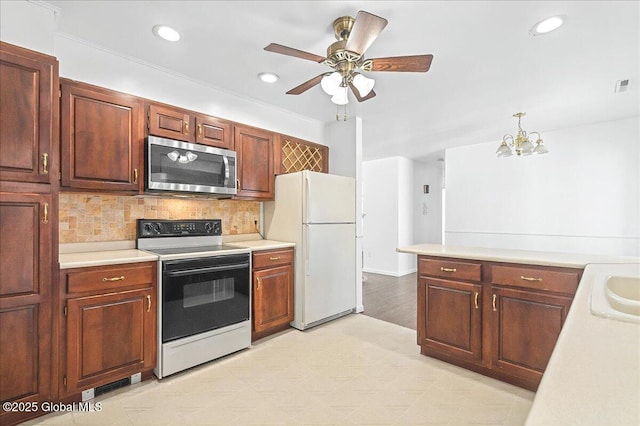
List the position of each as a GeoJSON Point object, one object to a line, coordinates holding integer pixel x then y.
{"type": "Point", "coordinates": [186, 127]}
{"type": "Point", "coordinates": [530, 278]}
{"type": "Point", "coordinates": [274, 258]}
{"type": "Point", "coordinates": [45, 213]}
{"type": "Point", "coordinates": [475, 300]}
{"type": "Point", "coordinates": [120, 278]}
{"type": "Point", "coordinates": [135, 175]}
{"type": "Point", "coordinates": [443, 269]}
{"type": "Point", "coordinates": [199, 130]}
{"type": "Point", "coordinates": [493, 303]}
{"type": "Point", "coordinates": [45, 164]}
{"type": "Point", "coordinates": [258, 279]}
{"type": "Point", "coordinates": [148, 303]}
{"type": "Point", "coordinates": [237, 184]}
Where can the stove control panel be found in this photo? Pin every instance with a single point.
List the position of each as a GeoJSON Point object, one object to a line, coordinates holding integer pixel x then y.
{"type": "Point", "coordinates": [150, 228]}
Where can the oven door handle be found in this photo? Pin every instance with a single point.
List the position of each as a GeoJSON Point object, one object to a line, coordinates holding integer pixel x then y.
{"type": "Point", "coordinates": [184, 272]}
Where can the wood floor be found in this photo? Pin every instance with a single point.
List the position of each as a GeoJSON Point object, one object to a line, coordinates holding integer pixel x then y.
{"type": "Point", "coordinates": [390, 299]}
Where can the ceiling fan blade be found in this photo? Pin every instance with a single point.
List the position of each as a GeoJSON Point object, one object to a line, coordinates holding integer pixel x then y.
{"type": "Point", "coordinates": [306, 85]}
{"type": "Point", "coordinates": [370, 95]}
{"type": "Point", "coordinates": [290, 51]}
{"type": "Point", "coordinates": [366, 29]}
{"type": "Point", "coordinates": [417, 63]}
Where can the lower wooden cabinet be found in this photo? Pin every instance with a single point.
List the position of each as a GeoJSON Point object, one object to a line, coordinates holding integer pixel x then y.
{"type": "Point", "coordinates": [452, 317]}
{"type": "Point", "coordinates": [110, 330]}
{"type": "Point", "coordinates": [273, 274]}
{"type": "Point", "coordinates": [27, 227]}
{"type": "Point", "coordinates": [497, 319]}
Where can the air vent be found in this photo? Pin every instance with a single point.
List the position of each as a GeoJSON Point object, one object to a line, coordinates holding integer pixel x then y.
{"type": "Point", "coordinates": [112, 386]}
{"type": "Point", "coordinates": [621, 86]}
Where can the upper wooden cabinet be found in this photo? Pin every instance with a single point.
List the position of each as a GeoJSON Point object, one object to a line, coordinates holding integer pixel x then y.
{"type": "Point", "coordinates": [179, 124]}
{"type": "Point", "coordinates": [294, 155]}
{"type": "Point", "coordinates": [254, 150]}
{"type": "Point", "coordinates": [28, 115]}
{"type": "Point", "coordinates": [101, 138]}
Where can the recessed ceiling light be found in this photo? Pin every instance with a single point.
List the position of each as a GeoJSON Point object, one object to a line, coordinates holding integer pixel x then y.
{"type": "Point", "coordinates": [268, 77]}
{"type": "Point", "coordinates": [166, 33]}
{"type": "Point", "coordinates": [547, 25]}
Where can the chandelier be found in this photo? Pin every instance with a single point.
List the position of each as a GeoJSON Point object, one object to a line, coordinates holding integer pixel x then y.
{"type": "Point", "coordinates": [521, 143]}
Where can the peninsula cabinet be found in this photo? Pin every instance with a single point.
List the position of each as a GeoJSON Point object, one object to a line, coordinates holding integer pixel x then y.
{"type": "Point", "coordinates": [272, 291]}
{"type": "Point", "coordinates": [102, 132]}
{"type": "Point", "coordinates": [174, 123]}
{"type": "Point", "coordinates": [254, 150]}
{"type": "Point", "coordinates": [498, 319]}
{"type": "Point", "coordinates": [28, 115]}
{"type": "Point", "coordinates": [110, 331]}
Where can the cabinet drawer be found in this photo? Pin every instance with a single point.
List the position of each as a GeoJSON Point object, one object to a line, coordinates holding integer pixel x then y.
{"type": "Point", "coordinates": [108, 277]}
{"type": "Point", "coordinates": [536, 278]}
{"type": "Point", "coordinates": [450, 269]}
{"type": "Point", "coordinates": [265, 259]}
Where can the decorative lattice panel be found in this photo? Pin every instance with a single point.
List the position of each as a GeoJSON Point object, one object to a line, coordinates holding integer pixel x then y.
{"type": "Point", "coordinates": [297, 157]}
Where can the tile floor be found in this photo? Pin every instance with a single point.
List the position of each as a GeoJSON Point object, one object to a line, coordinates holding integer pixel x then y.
{"type": "Point", "coordinates": [356, 370]}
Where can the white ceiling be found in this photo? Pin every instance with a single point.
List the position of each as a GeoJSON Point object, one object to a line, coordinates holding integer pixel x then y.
{"type": "Point", "coordinates": [486, 65]}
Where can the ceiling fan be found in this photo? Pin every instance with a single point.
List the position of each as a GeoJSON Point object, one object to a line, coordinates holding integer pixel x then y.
{"type": "Point", "coordinates": [346, 57]}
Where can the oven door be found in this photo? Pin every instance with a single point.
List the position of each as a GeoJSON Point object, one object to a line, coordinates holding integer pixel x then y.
{"type": "Point", "coordinates": [187, 167]}
{"type": "Point", "coordinates": [204, 294]}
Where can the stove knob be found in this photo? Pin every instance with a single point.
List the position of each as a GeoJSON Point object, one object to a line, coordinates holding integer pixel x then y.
{"type": "Point", "coordinates": [152, 229]}
{"type": "Point", "coordinates": [208, 226]}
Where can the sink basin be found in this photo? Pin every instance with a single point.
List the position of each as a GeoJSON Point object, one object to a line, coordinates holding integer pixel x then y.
{"type": "Point", "coordinates": [623, 294]}
{"type": "Point", "coordinates": [616, 296]}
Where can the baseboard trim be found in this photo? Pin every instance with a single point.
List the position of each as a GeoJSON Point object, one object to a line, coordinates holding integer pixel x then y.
{"type": "Point", "coordinates": [388, 273]}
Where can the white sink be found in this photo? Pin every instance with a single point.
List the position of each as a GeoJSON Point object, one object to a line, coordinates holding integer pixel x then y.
{"type": "Point", "coordinates": [617, 297]}
{"type": "Point", "coordinates": [623, 294]}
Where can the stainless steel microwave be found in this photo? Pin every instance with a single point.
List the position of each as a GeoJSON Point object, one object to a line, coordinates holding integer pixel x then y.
{"type": "Point", "coordinates": [183, 167]}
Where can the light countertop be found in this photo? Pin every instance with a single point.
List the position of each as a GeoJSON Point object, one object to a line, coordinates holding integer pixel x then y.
{"type": "Point", "coordinates": [542, 258]}
{"type": "Point", "coordinates": [593, 376]}
{"type": "Point", "coordinates": [78, 255]}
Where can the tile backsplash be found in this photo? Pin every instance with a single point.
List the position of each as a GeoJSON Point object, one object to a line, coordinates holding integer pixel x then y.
{"type": "Point", "coordinates": [88, 217]}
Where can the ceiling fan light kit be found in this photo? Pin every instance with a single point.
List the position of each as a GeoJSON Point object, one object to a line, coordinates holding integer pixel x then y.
{"type": "Point", "coordinates": [346, 58]}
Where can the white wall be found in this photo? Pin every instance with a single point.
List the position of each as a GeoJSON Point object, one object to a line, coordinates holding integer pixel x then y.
{"type": "Point", "coordinates": [388, 222]}
{"type": "Point", "coordinates": [427, 208]}
{"type": "Point", "coordinates": [582, 197]}
{"type": "Point", "coordinates": [28, 25]}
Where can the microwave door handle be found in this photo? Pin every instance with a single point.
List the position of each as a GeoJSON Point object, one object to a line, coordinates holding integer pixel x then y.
{"type": "Point", "coordinates": [226, 170]}
{"type": "Point", "coordinates": [184, 272]}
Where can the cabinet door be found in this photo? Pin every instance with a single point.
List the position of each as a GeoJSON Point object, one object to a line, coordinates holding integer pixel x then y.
{"type": "Point", "coordinates": [452, 317]}
{"type": "Point", "coordinates": [25, 295]}
{"type": "Point", "coordinates": [28, 115]}
{"type": "Point", "coordinates": [109, 337]}
{"type": "Point", "coordinates": [273, 297]}
{"type": "Point", "coordinates": [213, 131]}
{"type": "Point", "coordinates": [101, 136]}
{"type": "Point", "coordinates": [254, 148]}
{"type": "Point", "coordinates": [525, 328]}
{"type": "Point", "coordinates": [170, 123]}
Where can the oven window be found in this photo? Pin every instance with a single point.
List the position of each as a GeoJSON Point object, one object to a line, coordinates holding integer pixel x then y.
{"type": "Point", "coordinates": [197, 298]}
{"type": "Point", "coordinates": [207, 292]}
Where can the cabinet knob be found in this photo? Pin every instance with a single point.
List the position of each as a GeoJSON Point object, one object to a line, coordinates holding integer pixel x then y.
{"type": "Point", "coordinates": [443, 269]}
{"type": "Point", "coordinates": [530, 278]}
{"type": "Point", "coordinates": [274, 258]}
{"type": "Point", "coordinates": [493, 303]}
{"type": "Point", "coordinates": [475, 300]}
{"type": "Point", "coordinates": [120, 278]}
{"type": "Point", "coordinates": [186, 127]}
{"type": "Point", "coordinates": [148, 303]}
{"type": "Point", "coordinates": [199, 130]}
{"type": "Point", "coordinates": [45, 213]}
{"type": "Point", "coordinates": [258, 279]}
{"type": "Point", "coordinates": [135, 175]}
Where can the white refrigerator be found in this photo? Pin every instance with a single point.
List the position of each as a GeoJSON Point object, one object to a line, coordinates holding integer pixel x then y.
{"type": "Point", "coordinates": [317, 212]}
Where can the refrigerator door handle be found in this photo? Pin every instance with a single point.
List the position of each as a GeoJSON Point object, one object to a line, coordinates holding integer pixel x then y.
{"type": "Point", "coordinates": [305, 238]}
{"type": "Point", "coordinates": [307, 206]}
